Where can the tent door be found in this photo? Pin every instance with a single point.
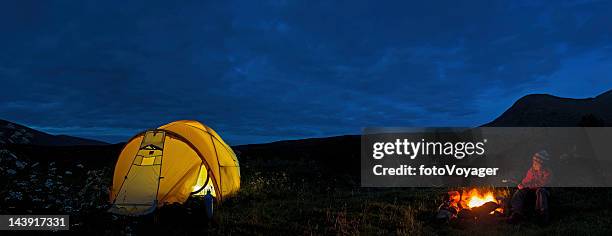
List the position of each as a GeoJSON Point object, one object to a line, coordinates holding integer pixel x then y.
{"type": "Point", "coordinates": [138, 193]}
{"type": "Point", "coordinates": [203, 183]}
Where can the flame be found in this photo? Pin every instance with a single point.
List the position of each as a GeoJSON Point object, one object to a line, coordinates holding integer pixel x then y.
{"type": "Point", "coordinates": [475, 198]}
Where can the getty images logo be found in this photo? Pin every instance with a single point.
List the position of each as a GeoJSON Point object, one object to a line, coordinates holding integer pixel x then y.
{"type": "Point", "coordinates": [405, 147]}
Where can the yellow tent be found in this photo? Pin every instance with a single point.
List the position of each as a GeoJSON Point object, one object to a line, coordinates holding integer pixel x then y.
{"type": "Point", "coordinates": [170, 163]}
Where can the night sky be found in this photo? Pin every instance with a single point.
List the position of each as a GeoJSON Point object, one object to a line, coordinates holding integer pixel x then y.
{"type": "Point", "coordinates": [261, 71]}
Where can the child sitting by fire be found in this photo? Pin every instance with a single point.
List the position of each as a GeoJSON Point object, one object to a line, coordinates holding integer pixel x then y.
{"type": "Point", "coordinates": [533, 186]}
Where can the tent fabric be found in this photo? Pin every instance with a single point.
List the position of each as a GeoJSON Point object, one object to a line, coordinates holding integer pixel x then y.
{"type": "Point", "coordinates": [167, 164]}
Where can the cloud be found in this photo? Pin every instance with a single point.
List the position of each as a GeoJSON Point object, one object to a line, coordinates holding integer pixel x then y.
{"type": "Point", "coordinates": [284, 70]}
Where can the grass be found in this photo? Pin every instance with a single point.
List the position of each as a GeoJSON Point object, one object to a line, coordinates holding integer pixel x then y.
{"type": "Point", "coordinates": [299, 197]}
{"type": "Point", "coordinates": [275, 202]}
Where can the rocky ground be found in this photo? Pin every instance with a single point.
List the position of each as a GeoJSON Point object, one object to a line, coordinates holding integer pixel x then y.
{"type": "Point", "coordinates": [34, 186]}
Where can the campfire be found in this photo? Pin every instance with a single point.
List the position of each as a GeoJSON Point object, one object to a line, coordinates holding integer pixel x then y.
{"type": "Point", "coordinates": [475, 198]}
{"type": "Point", "coordinates": [473, 203]}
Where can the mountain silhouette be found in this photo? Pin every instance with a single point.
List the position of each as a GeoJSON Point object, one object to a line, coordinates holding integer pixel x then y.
{"type": "Point", "coordinates": [543, 110]}
{"type": "Point", "coordinates": [534, 110]}
{"type": "Point", "coordinates": [12, 133]}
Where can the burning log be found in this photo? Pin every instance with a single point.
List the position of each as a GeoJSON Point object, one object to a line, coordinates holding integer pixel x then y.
{"type": "Point", "coordinates": [485, 210]}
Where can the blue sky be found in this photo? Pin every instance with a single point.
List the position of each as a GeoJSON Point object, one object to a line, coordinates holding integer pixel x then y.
{"type": "Point", "coordinates": [259, 71]}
